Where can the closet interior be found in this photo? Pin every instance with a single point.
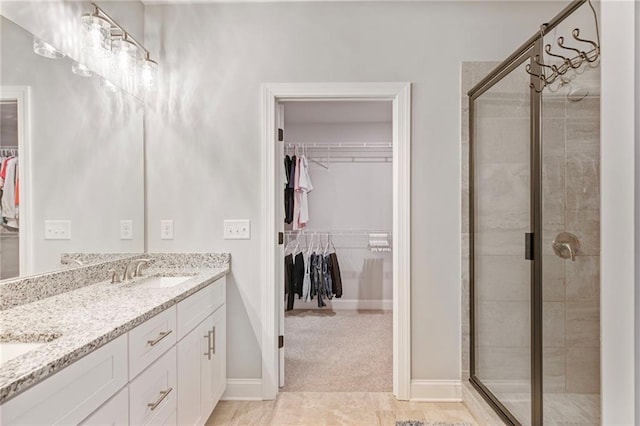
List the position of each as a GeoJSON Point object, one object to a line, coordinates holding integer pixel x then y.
{"type": "Point", "coordinates": [9, 191]}
{"type": "Point", "coordinates": [338, 217]}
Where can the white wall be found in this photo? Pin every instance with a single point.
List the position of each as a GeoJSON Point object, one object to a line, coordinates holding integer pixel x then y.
{"type": "Point", "coordinates": [351, 196]}
{"type": "Point", "coordinates": [87, 158]}
{"type": "Point", "coordinates": [618, 295]}
{"type": "Point", "coordinates": [203, 133]}
{"type": "Point", "coordinates": [637, 216]}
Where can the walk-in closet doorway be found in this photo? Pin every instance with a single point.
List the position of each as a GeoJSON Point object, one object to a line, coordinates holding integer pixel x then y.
{"type": "Point", "coordinates": [338, 215]}
{"type": "Point", "coordinates": [390, 238]}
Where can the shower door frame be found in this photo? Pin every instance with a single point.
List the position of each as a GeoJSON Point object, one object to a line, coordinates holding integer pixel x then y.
{"type": "Point", "coordinates": [530, 50]}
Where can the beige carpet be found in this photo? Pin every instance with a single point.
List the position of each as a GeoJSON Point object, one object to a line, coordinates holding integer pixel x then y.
{"type": "Point", "coordinates": [338, 351]}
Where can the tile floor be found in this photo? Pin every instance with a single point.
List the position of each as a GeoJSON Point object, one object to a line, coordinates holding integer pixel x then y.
{"type": "Point", "coordinates": [336, 408]}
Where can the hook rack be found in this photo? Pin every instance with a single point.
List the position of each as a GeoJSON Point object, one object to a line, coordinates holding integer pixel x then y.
{"type": "Point", "coordinates": [9, 151]}
{"type": "Point", "coordinates": [550, 73]}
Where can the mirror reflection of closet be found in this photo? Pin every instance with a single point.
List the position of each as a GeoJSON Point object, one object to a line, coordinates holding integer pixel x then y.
{"type": "Point", "coordinates": [9, 190]}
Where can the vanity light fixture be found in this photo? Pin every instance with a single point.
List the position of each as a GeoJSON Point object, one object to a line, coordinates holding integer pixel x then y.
{"type": "Point", "coordinates": [148, 72]}
{"type": "Point", "coordinates": [109, 86]}
{"type": "Point", "coordinates": [128, 57]}
{"type": "Point", "coordinates": [80, 69]}
{"type": "Point", "coordinates": [43, 48]}
{"type": "Point", "coordinates": [97, 33]}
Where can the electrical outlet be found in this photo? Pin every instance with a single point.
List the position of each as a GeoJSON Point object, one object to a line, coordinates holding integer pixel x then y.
{"type": "Point", "coordinates": [166, 229]}
{"type": "Point", "coordinates": [126, 230]}
{"type": "Point", "coordinates": [237, 229]}
{"type": "Point", "coordinates": [57, 229]}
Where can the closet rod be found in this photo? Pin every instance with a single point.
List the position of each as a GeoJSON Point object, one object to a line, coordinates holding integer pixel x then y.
{"type": "Point", "coordinates": [335, 233]}
{"type": "Point", "coordinates": [339, 145]}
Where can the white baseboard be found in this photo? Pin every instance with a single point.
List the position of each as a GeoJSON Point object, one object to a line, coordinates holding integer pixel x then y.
{"type": "Point", "coordinates": [243, 390]}
{"type": "Point", "coordinates": [351, 304]}
{"type": "Point", "coordinates": [436, 390]}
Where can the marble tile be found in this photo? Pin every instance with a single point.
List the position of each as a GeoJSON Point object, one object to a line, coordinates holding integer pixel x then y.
{"type": "Point", "coordinates": [553, 326]}
{"type": "Point", "coordinates": [464, 120]}
{"type": "Point", "coordinates": [491, 105]}
{"type": "Point", "coordinates": [501, 233]}
{"type": "Point", "coordinates": [502, 188]}
{"type": "Point", "coordinates": [583, 185]}
{"type": "Point", "coordinates": [583, 370]}
{"type": "Point", "coordinates": [466, 365]}
{"type": "Point", "coordinates": [554, 377]}
{"type": "Point", "coordinates": [553, 278]}
{"type": "Point", "coordinates": [505, 324]}
{"type": "Point", "coordinates": [553, 108]}
{"type": "Point", "coordinates": [500, 140]}
{"type": "Point", "coordinates": [502, 278]}
{"type": "Point", "coordinates": [553, 223]}
{"type": "Point", "coordinates": [585, 224]}
{"type": "Point", "coordinates": [588, 107]}
{"type": "Point", "coordinates": [583, 325]}
{"type": "Point", "coordinates": [583, 278]}
{"type": "Point", "coordinates": [503, 364]}
{"type": "Point", "coordinates": [553, 184]}
{"type": "Point", "coordinates": [583, 140]}
{"type": "Point", "coordinates": [465, 306]}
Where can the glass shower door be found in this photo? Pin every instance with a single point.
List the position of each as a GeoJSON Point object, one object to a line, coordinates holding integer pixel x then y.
{"type": "Point", "coordinates": [501, 216]}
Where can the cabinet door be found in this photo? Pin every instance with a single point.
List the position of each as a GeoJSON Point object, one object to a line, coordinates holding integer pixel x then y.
{"type": "Point", "coordinates": [219, 355]}
{"type": "Point", "coordinates": [191, 350]}
{"type": "Point", "coordinates": [206, 362]}
{"type": "Point", "coordinates": [113, 412]}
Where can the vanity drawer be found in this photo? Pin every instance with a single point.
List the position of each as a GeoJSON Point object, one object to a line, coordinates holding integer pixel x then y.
{"type": "Point", "coordinates": [195, 308]}
{"type": "Point", "coordinates": [153, 394]}
{"type": "Point", "coordinates": [151, 339]}
{"type": "Point", "coordinates": [73, 393]}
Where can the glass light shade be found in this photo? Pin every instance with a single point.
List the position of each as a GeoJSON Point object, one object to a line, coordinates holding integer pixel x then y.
{"type": "Point", "coordinates": [80, 69]}
{"type": "Point", "coordinates": [97, 35]}
{"type": "Point", "coordinates": [109, 86]}
{"type": "Point", "coordinates": [126, 55]}
{"type": "Point", "coordinates": [43, 48]}
{"type": "Point", "coordinates": [148, 74]}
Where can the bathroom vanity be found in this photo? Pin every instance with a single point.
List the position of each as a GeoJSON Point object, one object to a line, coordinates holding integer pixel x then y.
{"type": "Point", "coordinates": [148, 350]}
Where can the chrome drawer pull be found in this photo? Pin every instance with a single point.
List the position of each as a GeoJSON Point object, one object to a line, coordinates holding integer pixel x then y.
{"type": "Point", "coordinates": [213, 339]}
{"type": "Point", "coordinates": [163, 395]}
{"type": "Point", "coordinates": [160, 337]}
{"type": "Point", "coordinates": [208, 352]}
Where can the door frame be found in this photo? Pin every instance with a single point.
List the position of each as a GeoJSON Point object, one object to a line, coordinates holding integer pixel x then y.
{"type": "Point", "coordinates": [22, 95]}
{"type": "Point", "coordinates": [400, 96]}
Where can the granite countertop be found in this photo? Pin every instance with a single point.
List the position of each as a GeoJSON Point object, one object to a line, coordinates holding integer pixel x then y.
{"type": "Point", "coordinates": [77, 322]}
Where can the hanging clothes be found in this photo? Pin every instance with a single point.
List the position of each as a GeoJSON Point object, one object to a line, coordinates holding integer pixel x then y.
{"type": "Point", "coordinates": [288, 279]}
{"type": "Point", "coordinates": [302, 189]}
{"type": "Point", "coordinates": [288, 191]}
{"type": "Point", "coordinates": [306, 281]}
{"type": "Point", "coordinates": [9, 202]}
{"type": "Point", "coordinates": [336, 279]}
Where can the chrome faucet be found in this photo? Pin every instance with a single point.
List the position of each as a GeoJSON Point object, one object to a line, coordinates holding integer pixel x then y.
{"type": "Point", "coordinates": [140, 264]}
{"type": "Point", "coordinates": [134, 268]}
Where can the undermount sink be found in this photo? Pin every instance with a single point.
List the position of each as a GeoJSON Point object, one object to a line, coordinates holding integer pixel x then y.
{"type": "Point", "coordinates": [162, 281]}
{"type": "Point", "coordinates": [10, 349]}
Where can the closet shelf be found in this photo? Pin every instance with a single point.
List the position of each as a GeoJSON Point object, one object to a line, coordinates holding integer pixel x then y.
{"type": "Point", "coordinates": [323, 153]}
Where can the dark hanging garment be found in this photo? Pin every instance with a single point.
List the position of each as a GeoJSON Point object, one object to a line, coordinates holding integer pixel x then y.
{"type": "Point", "coordinates": [288, 191]}
{"type": "Point", "coordinates": [288, 280]}
{"type": "Point", "coordinates": [298, 274]}
{"type": "Point", "coordinates": [336, 279]}
{"type": "Point", "coordinates": [326, 272]}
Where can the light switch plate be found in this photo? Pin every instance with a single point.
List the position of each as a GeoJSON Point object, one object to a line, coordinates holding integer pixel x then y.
{"type": "Point", "coordinates": [57, 229]}
{"type": "Point", "coordinates": [126, 230]}
{"type": "Point", "coordinates": [237, 229]}
{"type": "Point", "coordinates": [166, 229]}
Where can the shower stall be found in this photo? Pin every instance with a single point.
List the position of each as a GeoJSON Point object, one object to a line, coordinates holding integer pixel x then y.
{"type": "Point", "coordinates": [534, 211]}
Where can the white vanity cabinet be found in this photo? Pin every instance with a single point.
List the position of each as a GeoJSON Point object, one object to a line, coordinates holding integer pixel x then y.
{"type": "Point", "coordinates": [169, 370]}
{"type": "Point", "coordinates": [201, 354]}
{"type": "Point", "coordinates": [70, 395]}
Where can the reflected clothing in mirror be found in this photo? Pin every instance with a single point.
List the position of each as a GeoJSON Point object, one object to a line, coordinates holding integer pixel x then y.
{"type": "Point", "coordinates": [9, 192]}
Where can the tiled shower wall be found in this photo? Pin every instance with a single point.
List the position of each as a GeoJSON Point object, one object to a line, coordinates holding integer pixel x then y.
{"type": "Point", "coordinates": [571, 203]}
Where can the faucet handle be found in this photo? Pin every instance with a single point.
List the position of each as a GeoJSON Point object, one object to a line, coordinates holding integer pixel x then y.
{"type": "Point", "coordinates": [115, 277]}
{"type": "Point", "coordinates": [140, 264]}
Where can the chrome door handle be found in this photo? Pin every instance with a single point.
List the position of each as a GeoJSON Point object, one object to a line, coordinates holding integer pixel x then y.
{"type": "Point", "coordinates": [213, 339]}
{"type": "Point", "coordinates": [157, 339]}
{"type": "Point", "coordinates": [163, 395]}
{"type": "Point", "coordinates": [208, 352]}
